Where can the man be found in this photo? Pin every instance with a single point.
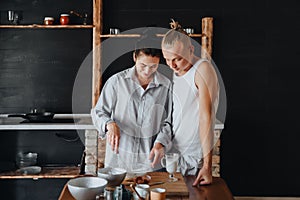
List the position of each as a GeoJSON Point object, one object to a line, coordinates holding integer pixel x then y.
{"type": "Point", "coordinates": [134, 112]}
{"type": "Point", "coordinates": [195, 98]}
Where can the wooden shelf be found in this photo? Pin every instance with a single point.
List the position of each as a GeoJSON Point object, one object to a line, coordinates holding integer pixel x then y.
{"type": "Point", "coordinates": [47, 172]}
{"type": "Point", "coordinates": [137, 35]}
{"type": "Point", "coordinates": [41, 26]}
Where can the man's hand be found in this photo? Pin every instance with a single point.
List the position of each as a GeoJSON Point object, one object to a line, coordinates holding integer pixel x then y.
{"type": "Point", "coordinates": [113, 136]}
{"type": "Point", "coordinates": [156, 154]}
{"type": "Point", "coordinates": [204, 177]}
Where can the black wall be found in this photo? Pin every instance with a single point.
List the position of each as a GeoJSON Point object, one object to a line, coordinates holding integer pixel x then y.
{"type": "Point", "coordinates": [255, 48]}
{"type": "Point", "coordinates": [39, 66]}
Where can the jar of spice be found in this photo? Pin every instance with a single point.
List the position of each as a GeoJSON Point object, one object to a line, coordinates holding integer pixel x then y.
{"type": "Point", "coordinates": [64, 19]}
{"type": "Point", "coordinates": [48, 20]}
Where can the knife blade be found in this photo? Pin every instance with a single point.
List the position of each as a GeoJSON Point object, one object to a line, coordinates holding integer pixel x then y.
{"type": "Point", "coordinates": [150, 184]}
{"type": "Point", "coordinates": [156, 183]}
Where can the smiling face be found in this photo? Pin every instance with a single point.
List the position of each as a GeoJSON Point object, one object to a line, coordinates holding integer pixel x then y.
{"type": "Point", "coordinates": [146, 66]}
{"type": "Point", "coordinates": [178, 57]}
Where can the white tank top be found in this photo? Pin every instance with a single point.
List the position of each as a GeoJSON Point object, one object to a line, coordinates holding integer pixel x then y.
{"type": "Point", "coordinates": [186, 113]}
{"type": "Point", "coordinates": [186, 139]}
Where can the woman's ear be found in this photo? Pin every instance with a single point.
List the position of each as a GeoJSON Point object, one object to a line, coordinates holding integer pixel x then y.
{"type": "Point", "coordinates": [134, 56]}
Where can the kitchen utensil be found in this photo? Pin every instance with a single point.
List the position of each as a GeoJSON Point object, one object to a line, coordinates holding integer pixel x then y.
{"type": "Point", "coordinates": [114, 176]}
{"type": "Point", "coordinates": [26, 159]}
{"type": "Point", "coordinates": [14, 16]}
{"type": "Point", "coordinates": [156, 183]}
{"type": "Point", "coordinates": [151, 184]}
{"type": "Point", "coordinates": [48, 20]}
{"type": "Point", "coordinates": [143, 190]}
{"type": "Point", "coordinates": [83, 16]}
{"type": "Point", "coordinates": [158, 194]}
{"type": "Point", "coordinates": [64, 19]}
{"type": "Point", "coordinates": [10, 15]}
{"type": "Point", "coordinates": [109, 193]}
{"type": "Point", "coordinates": [118, 193]}
{"type": "Point", "coordinates": [86, 188]}
{"type": "Point", "coordinates": [35, 117]}
{"type": "Point", "coordinates": [139, 196]}
{"type": "Point", "coordinates": [30, 170]}
{"type": "Point", "coordinates": [114, 31]}
{"type": "Point", "coordinates": [189, 30]}
{"type": "Point", "coordinates": [170, 162]}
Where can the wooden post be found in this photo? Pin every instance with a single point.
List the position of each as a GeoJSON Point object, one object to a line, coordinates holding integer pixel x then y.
{"type": "Point", "coordinates": [207, 36]}
{"type": "Point", "coordinates": [206, 52]}
{"type": "Point", "coordinates": [97, 73]}
{"type": "Point", "coordinates": [97, 30]}
{"type": "Point", "coordinates": [91, 159]}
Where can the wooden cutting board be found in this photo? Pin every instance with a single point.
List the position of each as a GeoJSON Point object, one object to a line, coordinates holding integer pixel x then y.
{"type": "Point", "coordinates": [177, 188]}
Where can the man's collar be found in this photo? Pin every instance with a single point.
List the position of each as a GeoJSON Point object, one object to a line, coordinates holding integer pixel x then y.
{"type": "Point", "coordinates": [156, 81]}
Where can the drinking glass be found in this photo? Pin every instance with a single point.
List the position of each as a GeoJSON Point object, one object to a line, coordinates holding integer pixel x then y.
{"type": "Point", "coordinates": [10, 15]}
{"type": "Point", "coordinates": [170, 162]}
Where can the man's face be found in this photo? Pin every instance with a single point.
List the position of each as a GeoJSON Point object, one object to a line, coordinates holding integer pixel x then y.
{"type": "Point", "coordinates": [177, 57]}
{"type": "Point", "coordinates": [145, 65]}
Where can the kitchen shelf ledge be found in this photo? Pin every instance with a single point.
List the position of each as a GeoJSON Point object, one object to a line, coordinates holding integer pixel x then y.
{"type": "Point", "coordinates": [41, 26]}
{"type": "Point", "coordinates": [82, 122]}
{"type": "Point", "coordinates": [138, 35]}
{"type": "Point", "coordinates": [47, 172]}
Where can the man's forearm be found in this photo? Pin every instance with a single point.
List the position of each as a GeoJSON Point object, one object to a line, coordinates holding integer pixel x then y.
{"type": "Point", "coordinates": [207, 160]}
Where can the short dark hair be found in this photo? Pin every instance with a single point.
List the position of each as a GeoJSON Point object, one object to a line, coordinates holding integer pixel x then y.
{"type": "Point", "coordinates": [147, 44]}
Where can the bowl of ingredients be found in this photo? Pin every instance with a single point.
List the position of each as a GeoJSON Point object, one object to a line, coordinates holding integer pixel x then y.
{"type": "Point", "coordinates": [114, 176]}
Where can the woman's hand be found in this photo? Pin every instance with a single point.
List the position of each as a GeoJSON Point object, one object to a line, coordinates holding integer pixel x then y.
{"type": "Point", "coordinates": [113, 136]}
{"type": "Point", "coordinates": [157, 152]}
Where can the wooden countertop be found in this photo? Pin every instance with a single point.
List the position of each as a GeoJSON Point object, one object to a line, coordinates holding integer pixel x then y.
{"type": "Point", "coordinates": [216, 191]}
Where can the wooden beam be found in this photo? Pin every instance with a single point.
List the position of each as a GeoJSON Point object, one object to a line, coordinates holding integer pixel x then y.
{"type": "Point", "coordinates": [97, 30]}
{"type": "Point", "coordinates": [207, 36]}
{"type": "Point", "coordinates": [97, 73]}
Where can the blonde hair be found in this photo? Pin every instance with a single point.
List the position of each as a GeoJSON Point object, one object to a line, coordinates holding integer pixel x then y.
{"type": "Point", "coordinates": [176, 34]}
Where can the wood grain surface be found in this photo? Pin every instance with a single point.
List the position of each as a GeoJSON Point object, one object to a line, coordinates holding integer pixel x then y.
{"type": "Point", "coordinates": [218, 190]}
{"type": "Point", "coordinates": [177, 188]}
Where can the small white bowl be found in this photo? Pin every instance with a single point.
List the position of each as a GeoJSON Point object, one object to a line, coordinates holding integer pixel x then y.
{"type": "Point", "coordinates": [30, 170]}
{"type": "Point", "coordinates": [86, 188]}
{"type": "Point", "coordinates": [114, 176]}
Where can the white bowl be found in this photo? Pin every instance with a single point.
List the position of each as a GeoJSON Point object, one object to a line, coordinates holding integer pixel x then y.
{"type": "Point", "coordinates": [30, 170]}
{"type": "Point", "coordinates": [140, 169]}
{"type": "Point", "coordinates": [114, 176]}
{"type": "Point", "coordinates": [86, 188]}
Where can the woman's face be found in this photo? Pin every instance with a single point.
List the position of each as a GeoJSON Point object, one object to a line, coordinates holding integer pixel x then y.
{"type": "Point", "coordinates": [146, 65]}
{"type": "Point", "coordinates": [178, 57]}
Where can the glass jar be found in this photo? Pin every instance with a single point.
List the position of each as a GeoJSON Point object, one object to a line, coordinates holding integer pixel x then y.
{"type": "Point", "coordinates": [64, 19]}
{"type": "Point", "coordinates": [48, 20]}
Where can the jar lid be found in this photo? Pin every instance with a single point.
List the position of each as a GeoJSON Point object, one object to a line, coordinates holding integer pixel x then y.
{"type": "Point", "coordinates": [67, 15]}
{"type": "Point", "coordinates": [49, 18]}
